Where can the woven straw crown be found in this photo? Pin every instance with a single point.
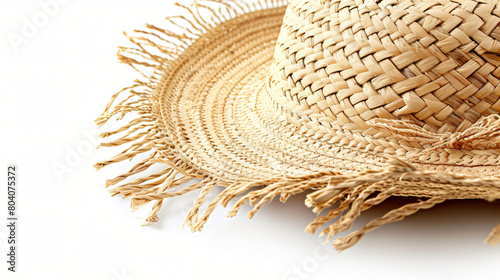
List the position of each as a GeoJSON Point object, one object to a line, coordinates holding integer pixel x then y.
{"type": "Point", "coordinates": [352, 68]}
{"type": "Point", "coordinates": [356, 101]}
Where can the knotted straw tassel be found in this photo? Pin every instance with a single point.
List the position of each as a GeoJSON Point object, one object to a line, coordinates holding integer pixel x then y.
{"type": "Point", "coordinates": [482, 134]}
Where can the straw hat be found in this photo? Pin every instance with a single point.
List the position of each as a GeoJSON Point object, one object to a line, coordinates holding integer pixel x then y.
{"type": "Point", "coordinates": [350, 101]}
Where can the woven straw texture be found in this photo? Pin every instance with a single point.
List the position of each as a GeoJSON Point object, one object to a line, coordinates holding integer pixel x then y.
{"type": "Point", "coordinates": [352, 101]}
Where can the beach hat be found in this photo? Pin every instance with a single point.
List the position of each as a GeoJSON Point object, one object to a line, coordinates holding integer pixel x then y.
{"type": "Point", "coordinates": [349, 101]}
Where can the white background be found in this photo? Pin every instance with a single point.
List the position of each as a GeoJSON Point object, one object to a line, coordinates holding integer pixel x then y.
{"type": "Point", "coordinates": [57, 81]}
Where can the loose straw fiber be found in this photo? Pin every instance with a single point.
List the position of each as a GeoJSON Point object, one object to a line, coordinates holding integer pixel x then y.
{"type": "Point", "coordinates": [351, 101]}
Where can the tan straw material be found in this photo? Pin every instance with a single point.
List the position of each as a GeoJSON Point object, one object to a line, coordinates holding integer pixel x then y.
{"type": "Point", "coordinates": [351, 101]}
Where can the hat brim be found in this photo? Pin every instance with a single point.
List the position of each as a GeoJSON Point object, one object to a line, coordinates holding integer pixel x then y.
{"type": "Point", "coordinates": [202, 112]}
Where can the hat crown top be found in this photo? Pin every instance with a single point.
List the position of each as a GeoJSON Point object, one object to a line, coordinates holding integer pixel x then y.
{"type": "Point", "coordinates": [347, 62]}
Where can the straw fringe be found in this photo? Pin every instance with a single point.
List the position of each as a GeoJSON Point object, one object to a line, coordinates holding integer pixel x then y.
{"type": "Point", "coordinates": [145, 136]}
{"type": "Point", "coordinates": [392, 216]}
{"type": "Point", "coordinates": [366, 189]}
{"type": "Point", "coordinates": [494, 236]}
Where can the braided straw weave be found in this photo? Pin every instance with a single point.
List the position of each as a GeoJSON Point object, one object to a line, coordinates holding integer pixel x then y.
{"type": "Point", "coordinates": [353, 101]}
